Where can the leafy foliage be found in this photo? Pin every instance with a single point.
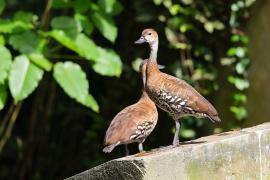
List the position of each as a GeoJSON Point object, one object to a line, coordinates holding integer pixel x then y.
{"type": "Point", "coordinates": [74, 33]}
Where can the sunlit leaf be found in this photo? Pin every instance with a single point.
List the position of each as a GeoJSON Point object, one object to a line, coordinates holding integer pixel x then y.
{"type": "Point", "coordinates": [5, 63]}
{"type": "Point", "coordinates": [91, 103]}
{"type": "Point", "coordinates": [3, 95]}
{"type": "Point", "coordinates": [105, 25]}
{"type": "Point", "coordinates": [73, 80]}
{"type": "Point", "coordinates": [187, 133]}
{"type": "Point", "coordinates": [26, 42]}
{"type": "Point", "coordinates": [239, 83]}
{"type": "Point", "coordinates": [7, 26]}
{"type": "Point", "coordinates": [2, 40]}
{"type": "Point", "coordinates": [84, 23]}
{"type": "Point", "coordinates": [108, 63]}
{"type": "Point", "coordinates": [86, 47]}
{"type": "Point", "coordinates": [136, 64]}
{"type": "Point", "coordinates": [24, 78]}
{"type": "Point", "coordinates": [238, 97]}
{"type": "Point", "coordinates": [239, 112]}
{"type": "Point", "coordinates": [209, 27]}
{"type": "Point", "coordinates": [39, 60]}
{"type": "Point", "coordinates": [62, 38]}
{"type": "Point", "coordinates": [227, 61]}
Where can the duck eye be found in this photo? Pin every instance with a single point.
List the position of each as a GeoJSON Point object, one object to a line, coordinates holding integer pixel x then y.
{"type": "Point", "coordinates": [149, 34]}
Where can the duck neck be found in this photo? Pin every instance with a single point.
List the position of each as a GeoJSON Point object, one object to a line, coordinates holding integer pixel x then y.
{"type": "Point", "coordinates": [144, 77]}
{"type": "Point", "coordinates": [153, 52]}
{"type": "Point", "coordinates": [144, 95]}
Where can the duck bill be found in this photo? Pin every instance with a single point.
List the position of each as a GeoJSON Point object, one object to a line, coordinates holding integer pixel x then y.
{"type": "Point", "coordinates": [140, 41]}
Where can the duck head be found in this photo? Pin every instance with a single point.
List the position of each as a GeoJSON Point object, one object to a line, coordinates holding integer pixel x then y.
{"type": "Point", "coordinates": [149, 36]}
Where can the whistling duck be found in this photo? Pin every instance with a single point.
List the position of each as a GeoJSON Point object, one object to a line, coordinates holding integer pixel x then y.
{"type": "Point", "coordinates": [171, 94]}
{"type": "Point", "coordinates": [134, 123]}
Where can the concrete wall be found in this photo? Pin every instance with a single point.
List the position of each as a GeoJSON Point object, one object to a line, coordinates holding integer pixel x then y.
{"type": "Point", "coordinates": [231, 155]}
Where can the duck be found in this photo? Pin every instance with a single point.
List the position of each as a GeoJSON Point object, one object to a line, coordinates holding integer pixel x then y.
{"type": "Point", "coordinates": [171, 94]}
{"type": "Point", "coordinates": [134, 123]}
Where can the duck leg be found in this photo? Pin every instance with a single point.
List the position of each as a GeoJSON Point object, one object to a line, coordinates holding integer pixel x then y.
{"type": "Point", "coordinates": [140, 146]}
{"type": "Point", "coordinates": [176, 134]}
{"type": "Point", "coordinates": [126, 150]}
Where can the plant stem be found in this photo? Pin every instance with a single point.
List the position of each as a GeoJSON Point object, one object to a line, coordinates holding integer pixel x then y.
{"type": "Point", "coordinates": [46, 14]}
{"type": "Point", "coordinates": [6, 118]}
{"type": "Point", "coordinates": [10, 125]}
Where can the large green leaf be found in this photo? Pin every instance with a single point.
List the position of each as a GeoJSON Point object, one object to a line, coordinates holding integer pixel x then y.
{"type": "Point", "coordinates": [73, 80]}
{"type": "Point", "coordinates": [108, 63]}
{"type": "Point", "coordinates": [7, 26]}
{"type": "Point", "coordinates": [3, 95]}
{"type": "Point", "coordinates": [112, 7]}
{"type": "Point", "coordinates": [39, 60]}
{"type": "Point", "coordinates": [82, 45]}
{"type": "Point", "coordinates": [26, 42]}
{"type": "Point", "coordinates": [24, 78]}
{"type": "Point", "coordinates": [5, 63]}
{"type": "Point", "coordinates": [67, 24]}
{"type": "Point", "coordinates": [105, 25]}
{"type": "Point", "coordinates": [86, 47]}
{"type": "Point", "coordinates": [24, 16]}
{"type": "Point", "coordinates": [61, 37]}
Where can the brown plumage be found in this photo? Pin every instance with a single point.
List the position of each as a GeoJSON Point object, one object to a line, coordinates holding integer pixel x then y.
{"type": "Point", "coordinates": [171, 94]}
{"type": "Point", "coordinates": [134, 123]}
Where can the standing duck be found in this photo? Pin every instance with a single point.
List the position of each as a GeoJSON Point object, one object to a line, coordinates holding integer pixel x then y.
{"type": "Point", "coordinates": [134, 123]}
{"type": "Point", "coordinates": [171, 94]}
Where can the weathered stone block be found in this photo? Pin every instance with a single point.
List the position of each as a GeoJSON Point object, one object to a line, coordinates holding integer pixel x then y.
{"type": "Point", "coordinates": [241, 154]}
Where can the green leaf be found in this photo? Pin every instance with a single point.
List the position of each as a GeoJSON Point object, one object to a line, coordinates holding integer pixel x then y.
{"type": "Point", "coordinates": [91, 103]}
{"type": "Point", "coordinates": [111, 7]}
{"type": "Point", "coordinates": [82, 45]}
{"type": "Point", "coordinates": [239, 112]}
{"type": "Point", "coordinates": [7, 26]}
{"type": "Point", "coordinates": [86, 47]}
{"type": "Point", "coordinates": [187, 133]}
{"type": "Point", "coordinates": [67, 24]}
{"type": "Point", "coordinates": [84, 23]}
{"type": "Point", "coordinates": [24, 78]}
{"type": "Point", "coordinates": [24, 16]}
{"type": "Point", "coordinates": [105, 25]}
{"type": "Point", "coordinates": [239, 97]}
{"type": "Point", "coordinates": [2, 40]}
{"type": "Point", "coordinates": [61, 4]}
{"type": "Point", "coordinates": [2, 5]}
{"type": "Point", "coordinates": [239, 83]}
{"type": "Point", "coordinates": [81, 6]}
{"type": "Point", "coordinates": [62, 38]}
{"type": "Point", "coordinates": [39, 60]}
{"type": "Point", "coordinates": [5, 63]}
{"type": "Point", "coordinates": [108, 63]}
{"type": "Point", "coordinates": [27, 42]}
{"type": "Point", "coordinates": [3, 95]}
{"type": "Point", "coordinates": [73, 80]}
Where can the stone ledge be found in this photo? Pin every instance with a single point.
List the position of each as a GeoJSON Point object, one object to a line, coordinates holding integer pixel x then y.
{"type": "Point", "coordinates": [243, 154]}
